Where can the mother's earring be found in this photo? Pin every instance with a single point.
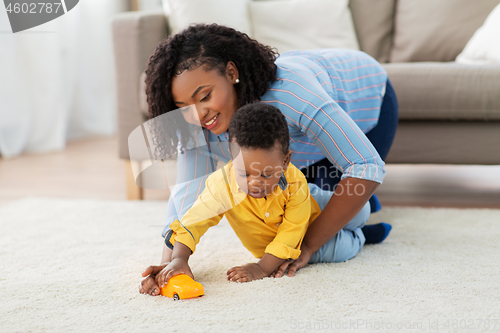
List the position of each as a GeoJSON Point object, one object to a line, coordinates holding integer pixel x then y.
{"type": "Point", "coordinates": [237, 81]}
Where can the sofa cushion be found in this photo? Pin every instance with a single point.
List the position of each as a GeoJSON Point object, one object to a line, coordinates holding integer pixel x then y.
{"type": "Point", "coordinates": [303, 24]}
{"type": "Point", "coordinates": [480, 50]}
{"type": "Point", "coordinates": [374, 25]}
{"type": "Point", "coordinates": [436, 30]}
{"type": "Point", "coordinates": [446, 91]}
{"type": "Point", "coordinates": [232, 13]}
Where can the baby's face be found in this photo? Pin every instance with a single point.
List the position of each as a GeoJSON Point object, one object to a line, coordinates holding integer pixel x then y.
{"type": "Point", "coordinates": [258, 171]}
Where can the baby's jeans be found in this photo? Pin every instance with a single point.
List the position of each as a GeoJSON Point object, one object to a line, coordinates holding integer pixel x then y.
{"type": "Point", "coordinates": [349, 241]}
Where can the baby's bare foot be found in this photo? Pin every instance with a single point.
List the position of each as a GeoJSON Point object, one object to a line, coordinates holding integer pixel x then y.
{"type": "Point", "coordinates": [148, 286]}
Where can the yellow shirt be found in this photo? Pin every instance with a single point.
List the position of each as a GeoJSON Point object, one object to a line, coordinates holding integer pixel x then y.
{"type": "Point", "coordinates": [275, 224]}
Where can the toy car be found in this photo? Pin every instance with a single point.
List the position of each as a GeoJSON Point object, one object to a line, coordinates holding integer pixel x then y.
{"type": "Point", "coordinates": [181, 287]}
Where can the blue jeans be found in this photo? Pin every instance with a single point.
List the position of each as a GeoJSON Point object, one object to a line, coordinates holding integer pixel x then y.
{"type": "Point", "coordinates": [349, 241]}
{"type": "Point", "coordinates": [326, 176]}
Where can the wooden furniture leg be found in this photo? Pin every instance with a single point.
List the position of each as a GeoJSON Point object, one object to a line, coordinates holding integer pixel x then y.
{"type": "Point", "coordinates": [134, 192]}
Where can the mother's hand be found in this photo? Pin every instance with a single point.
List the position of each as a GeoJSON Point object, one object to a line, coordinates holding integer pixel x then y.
{"type": "Point", "coordinates": [293, 266]}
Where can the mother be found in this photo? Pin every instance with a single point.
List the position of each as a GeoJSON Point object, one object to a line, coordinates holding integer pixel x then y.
{"type": "Point", "coordinates": [340, 107]}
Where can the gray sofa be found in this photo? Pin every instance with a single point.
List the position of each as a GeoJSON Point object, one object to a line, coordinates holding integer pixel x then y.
{"type": "Point", "coordinates": [449, 113]}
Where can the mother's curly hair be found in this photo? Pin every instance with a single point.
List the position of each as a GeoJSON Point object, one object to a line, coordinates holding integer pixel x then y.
{"type": "Point", "coordinates": [211, 46]}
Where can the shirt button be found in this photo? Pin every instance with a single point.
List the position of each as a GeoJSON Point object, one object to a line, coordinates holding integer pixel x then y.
{"type": "Point", "coordinates": [267, 214]}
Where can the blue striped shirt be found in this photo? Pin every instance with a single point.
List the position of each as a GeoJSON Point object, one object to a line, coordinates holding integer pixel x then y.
{"type": "Point", "coordinates": [330, 98]}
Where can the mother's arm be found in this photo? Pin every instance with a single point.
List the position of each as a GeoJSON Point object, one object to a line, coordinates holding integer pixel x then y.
{"type": "Point", "coordinates": [342, 208]}
{"type": "Point", "coordinates": [310, 109]}
{"type": "Point", "coordinates": [193, 168]}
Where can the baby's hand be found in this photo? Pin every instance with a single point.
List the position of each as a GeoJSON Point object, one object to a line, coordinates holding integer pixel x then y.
{"type": "Point", "coordinates": [245, 273]}
{"type": "Point", "coordinates": [149, 285]}
{"type": "Point", "coordinates": [175, 267]}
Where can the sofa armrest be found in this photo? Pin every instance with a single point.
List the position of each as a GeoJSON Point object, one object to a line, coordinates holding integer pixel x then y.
{"type": "Point", "coordinates": [135, 37]}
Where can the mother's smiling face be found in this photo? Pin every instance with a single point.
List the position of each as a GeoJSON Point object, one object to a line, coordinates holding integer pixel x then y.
{"type": "Point", "coordinates": [213, 94]}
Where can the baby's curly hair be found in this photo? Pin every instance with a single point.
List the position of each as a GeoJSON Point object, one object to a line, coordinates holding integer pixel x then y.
{"type": "Point", "coordinates": [211, 46]}
{"type": "Point", "coordinates": [259, 125]}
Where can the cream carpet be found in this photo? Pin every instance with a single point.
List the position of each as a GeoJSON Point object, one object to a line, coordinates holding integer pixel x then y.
{"type": "Point", "coordinates": [75, 265]}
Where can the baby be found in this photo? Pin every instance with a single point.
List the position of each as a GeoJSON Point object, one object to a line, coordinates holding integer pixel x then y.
{"type": "Point", "coordinates": [266, 200]}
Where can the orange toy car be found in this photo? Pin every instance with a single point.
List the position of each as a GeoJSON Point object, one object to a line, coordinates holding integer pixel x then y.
{"type": "Point", "coordinates": [181, 287]}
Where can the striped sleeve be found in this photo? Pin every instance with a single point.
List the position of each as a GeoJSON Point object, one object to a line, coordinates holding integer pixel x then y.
{"type": "Point", "coordinates": [207, 211]}
{"type": "Point", "coordinates": [310, 109]}
{"type": "Point", "coordinates": [193, 168]}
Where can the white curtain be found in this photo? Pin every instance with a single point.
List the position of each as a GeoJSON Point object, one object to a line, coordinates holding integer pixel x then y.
{"type": "Point", "coordinates": [57, 79]}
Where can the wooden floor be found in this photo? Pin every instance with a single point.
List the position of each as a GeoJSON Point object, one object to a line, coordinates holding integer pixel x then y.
{"type": "Point", "coordinates": [92, 169]}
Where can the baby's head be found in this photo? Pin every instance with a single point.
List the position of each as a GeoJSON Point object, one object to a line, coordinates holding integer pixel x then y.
{"type": "Point", "coordinates": [259, 140]}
